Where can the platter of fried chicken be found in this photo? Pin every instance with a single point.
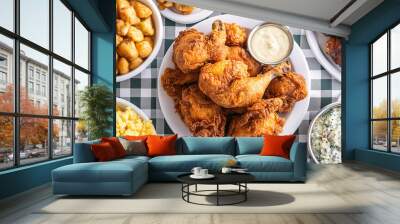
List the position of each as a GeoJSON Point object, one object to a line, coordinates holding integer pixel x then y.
{"type": "Point", "coordinates": [209, 84]}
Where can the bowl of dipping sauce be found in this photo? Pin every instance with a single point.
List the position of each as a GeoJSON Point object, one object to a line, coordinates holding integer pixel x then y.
{"type": "Point", "coordinates": [270, 43]}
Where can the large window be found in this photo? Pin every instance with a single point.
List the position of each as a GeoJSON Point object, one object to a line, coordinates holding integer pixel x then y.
{"type": "Point", "coordinates": [44, 64]}
{"type": "Point", "coordinates": [385, 92]}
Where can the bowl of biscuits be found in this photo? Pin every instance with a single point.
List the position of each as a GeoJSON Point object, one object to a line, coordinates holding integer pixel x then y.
{"type": "Point", "coordinates": [139, 34]}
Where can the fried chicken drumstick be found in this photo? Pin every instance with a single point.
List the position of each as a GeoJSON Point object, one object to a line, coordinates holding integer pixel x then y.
{"type": "Point", "coordinates": [229, 84]}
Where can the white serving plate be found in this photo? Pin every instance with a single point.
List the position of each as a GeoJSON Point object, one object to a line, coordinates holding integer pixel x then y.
{"type": "Point", "coordinates": [194, 17]}
{"type": "Point", "coordinates": [124, 104]}
{"type": "Point", "coordinates": [158, 38]}
{"type": "Point", "coordinates": [199, 177]}
{"type": "Point", "coordinates": [314, 41]}
{"type": "Point", "coordinates": [293, 119]}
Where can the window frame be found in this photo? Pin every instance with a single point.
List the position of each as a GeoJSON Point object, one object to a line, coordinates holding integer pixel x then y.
{"type": "Point", "coordinates": [16, 114]}
{"type": "Point", "coordinates": [388, 74]}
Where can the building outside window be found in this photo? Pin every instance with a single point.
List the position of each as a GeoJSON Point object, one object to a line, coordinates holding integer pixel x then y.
{"type": "Point", "coordinates": [43, 90]}
{"type": "Point", "coordinates": [38, 89]}
{"type": "Point", "coordinates": [3, 77]}
{"type": "Point", "coordinates": [3, 60]}
{"type": "Point", "coordinates": [30, 87]}
{"type": "Point", "coordinates": [55, 97]}
{"type": "Point", "coordinates": [57, 125]}
{"type": "Point", "coordinates": [3, 72]}
{"type": "Point", "coordinates": [44, 77]}
{"type": "Point", "coordinates": [37, 74]}
{"type": "Point", "coordinates": [30, 72]}
{"type": "Point", "coordinates": [385, 94]}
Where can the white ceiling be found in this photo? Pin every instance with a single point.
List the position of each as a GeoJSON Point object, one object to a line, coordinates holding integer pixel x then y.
{"type": "Point", "coordinates": [324, 16]}
{"type": "Point", "coordinates": [321, 9]}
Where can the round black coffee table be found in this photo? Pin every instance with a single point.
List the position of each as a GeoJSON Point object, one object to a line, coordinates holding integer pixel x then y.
{"type": "Point", "coordinates": [238, 179]}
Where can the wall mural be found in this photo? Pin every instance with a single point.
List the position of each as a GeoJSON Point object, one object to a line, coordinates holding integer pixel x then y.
{"type": "Point", "coordinates": [211, 82]}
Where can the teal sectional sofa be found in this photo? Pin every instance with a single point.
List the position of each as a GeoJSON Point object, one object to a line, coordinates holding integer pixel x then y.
{"type": "Point", "coordinates": [125, 176]}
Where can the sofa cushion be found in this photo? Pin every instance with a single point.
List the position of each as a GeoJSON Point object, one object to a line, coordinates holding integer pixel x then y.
{"type": "Point", "coordinates": [161, 145]}
{"type": "Point", "coordinates": [277, 145]}
{"type": "Point", "coordinates": [249, 145]}
{"type": "Point", "coordinates": [103, 152]}
{"type": "Point", "coordinates": [257, 163]}
{"type": "Point", "coordinates": [208, 145]}
{"type": "Point", "coordinates": [136, 147]}
{"type": "Point", "coordinates": [113, 171]}
{"type": "Point", "coordinates": [116, 145]}
{"type": "Point", "coordinates": [185, 163]}
{"type": "Point", "coordinates": [83, 152]}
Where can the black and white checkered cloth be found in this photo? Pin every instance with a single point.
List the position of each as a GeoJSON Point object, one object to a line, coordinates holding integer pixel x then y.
{"type": "Point", "coordinates": [141, 90]}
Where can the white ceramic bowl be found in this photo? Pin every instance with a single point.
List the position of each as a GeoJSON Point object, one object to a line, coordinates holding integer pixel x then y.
{"type": "Point", "coordinates": [158, 38]}
{"type": "Point", "coordinates": [297, 58]}
{"type": "Point", "coordinates": [124, 104]}
{"type": "Point", "coordinates": [323, 111]}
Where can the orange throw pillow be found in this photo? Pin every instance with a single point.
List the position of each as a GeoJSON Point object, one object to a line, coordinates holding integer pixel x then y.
{"type": "Point", "coordinates": [277, 145]}
{"type": "Point", "coordinates": [103, 152]}
{"type": "Point", "coordinates": [116, 145]}
{"type": "Point", "coordinates": [161, 145]}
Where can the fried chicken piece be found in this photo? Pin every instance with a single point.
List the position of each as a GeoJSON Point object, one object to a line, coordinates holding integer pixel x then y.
{"type": "Point", "coordinates": [216, 42]}
{"type": "Point", "coordinates": [285, 67]}
{"type": "Point", "coordinates": [240, 54]}
{"type": "Point", "coordinates": [261, 118]}
{"type": "Point", "coordinates": [192, 49]}
{"type": "Point", "coordinates": [333, 48]}
{"type": "Point", "coordinates": [235, 35]}
{"type": "Point", "coordinates": [202, 116]}
{"type": "Point", "coordinates": [229, 85]}
{"type": "Point", "coordinates": [183, 9]}
{"type": "Point", "coordinates": [291, 87]}
{"type": "Point", "coordinates": [163, 4]}
{"type": "Point", "coordinates": [288, 104]}
{"type": "Point", "coordinates": [173, 80]}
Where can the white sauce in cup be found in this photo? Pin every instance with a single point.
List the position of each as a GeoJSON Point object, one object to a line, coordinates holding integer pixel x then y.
{"type": "Point", "coordinates": [270, 44]}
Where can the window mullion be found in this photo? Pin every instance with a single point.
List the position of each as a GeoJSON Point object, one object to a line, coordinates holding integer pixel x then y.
{"type": "Point", "coordinates": [16, 84]}
{"type": "Point", "coordinates": [73, 81]}
{"type": "Point", "coordinates": [50, 77]}
{"type": "Point", "coordinates": [371, 92]}
{"type": "Point", "coordinates": [389, 101]}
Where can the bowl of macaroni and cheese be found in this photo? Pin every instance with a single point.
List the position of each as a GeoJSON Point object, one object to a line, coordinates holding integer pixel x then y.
{"type": "Point", "coordinates": [131, 120]}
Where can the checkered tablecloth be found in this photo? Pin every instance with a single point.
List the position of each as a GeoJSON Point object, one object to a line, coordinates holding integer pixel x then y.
{"type": "Point", "coordinates": [142, 89]}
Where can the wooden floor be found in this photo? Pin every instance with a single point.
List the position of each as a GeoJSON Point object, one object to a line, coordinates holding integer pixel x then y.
{"type": "Point", "coordinates": [351, 181]}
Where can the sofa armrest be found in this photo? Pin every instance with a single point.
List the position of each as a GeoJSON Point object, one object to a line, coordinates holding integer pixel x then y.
{"type": "Point", "coordinates": [83, 152]}
{"type": "Point", "coordinates": [298, 155]}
